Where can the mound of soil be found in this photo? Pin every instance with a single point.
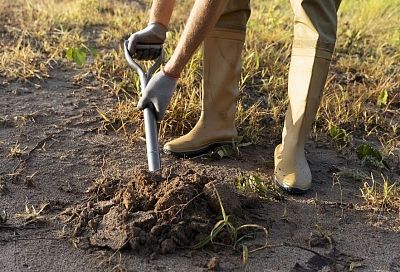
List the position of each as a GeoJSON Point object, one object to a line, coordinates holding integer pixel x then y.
{"type": "Point", "coordinates": [150, 213]}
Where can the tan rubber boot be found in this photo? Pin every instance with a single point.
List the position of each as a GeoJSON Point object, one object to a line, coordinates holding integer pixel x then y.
{"type": "Point", "coordinates": [307, 78]}
{"type": "Point", "coordinates": [222, 68]}
{"type": "Point", "coordinates": [315, 35]}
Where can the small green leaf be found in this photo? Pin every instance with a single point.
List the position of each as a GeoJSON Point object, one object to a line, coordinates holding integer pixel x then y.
{"type": "Point", "coordinates": [337, 133]}
{"type": "Point", "coordinates": [80, 57]}
{"type": "Point", "coordinates": [221, 205]}
{"type": "Point", "coordinates": [365, 151]}
{"type": "Point", "coordinates": [203, 242]}
{"type": "Point", "coordinates": [216, 230]}
{"type": "Point", "coordinates": [77, 55]}
{"type": "Point", "coordinates": [69, 54]}
{"type": "Point", "coordinates": [382, 99]}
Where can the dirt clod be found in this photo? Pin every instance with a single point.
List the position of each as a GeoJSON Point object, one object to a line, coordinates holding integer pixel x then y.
{"type": "Point", "coordinates": [228, 194]}
{"type": "Point", "coordinates": [151, 214]}
{"type": "Point", "coordinates": [168, 246]}
{"type": "Point", "coordinates": [111, 232]}
{"type": "Point", "coordinates": [213, 264]}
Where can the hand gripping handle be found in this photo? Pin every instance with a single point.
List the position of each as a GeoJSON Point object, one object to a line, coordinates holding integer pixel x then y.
{"type": "Point", "coordinates": [150, 123]}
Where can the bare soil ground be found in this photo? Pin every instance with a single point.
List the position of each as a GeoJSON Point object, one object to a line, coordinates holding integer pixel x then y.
{"type": "Point", "coordinates": [93, 178]}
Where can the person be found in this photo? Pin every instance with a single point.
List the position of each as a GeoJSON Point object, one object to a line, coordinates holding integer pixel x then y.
{"type": "Point", "coordinates": [221, 26]}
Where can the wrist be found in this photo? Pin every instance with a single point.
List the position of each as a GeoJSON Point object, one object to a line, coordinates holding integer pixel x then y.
{"type": "Point", "coordinates": [159, 24]}
{"type": "Point", "coordinates": [170, 73]}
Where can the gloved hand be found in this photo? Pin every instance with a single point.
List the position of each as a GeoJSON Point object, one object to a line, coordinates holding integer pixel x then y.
{"type": "Point", "coordinates": [158, 93]}
{"type": "Point", "coordinates": [154, 33]}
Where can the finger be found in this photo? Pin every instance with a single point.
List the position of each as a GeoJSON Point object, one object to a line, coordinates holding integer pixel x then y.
{"type": "Point", "coordinates": [132, 44]}
{"type": "Point", "coordinates": [142, 104]}
{"type": "Point", "coordinates": [138, 54]}
{"type": "Point", "coordinates": [145, 54]}
{"type": "Point", "coordinates": [151, 54]}
{"type": "Point", "coordinates": [155, 53]}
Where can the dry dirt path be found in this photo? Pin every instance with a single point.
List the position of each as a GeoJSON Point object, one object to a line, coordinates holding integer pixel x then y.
{"type": "Point", "coordinates": [54, 124]}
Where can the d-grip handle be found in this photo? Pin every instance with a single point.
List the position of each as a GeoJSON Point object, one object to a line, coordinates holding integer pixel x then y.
{"type": "Point", "coordinates": [147, 51]}
{"type": "Point", "coordinates": [144, 77]}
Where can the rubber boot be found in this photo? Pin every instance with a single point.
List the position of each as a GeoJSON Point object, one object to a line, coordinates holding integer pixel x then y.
{"type": "Point", "coordinates": [307, 77]}
{"type": "Point", "coordinates": [222, 68]}
{"type": "Point", "coordinates": [315, 35]}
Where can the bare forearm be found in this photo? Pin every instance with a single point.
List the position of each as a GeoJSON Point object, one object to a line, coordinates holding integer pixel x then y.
{"type": "Point", "coordinates": [161, 11]}
{"type": "Point", "coordinates": [202, 19]}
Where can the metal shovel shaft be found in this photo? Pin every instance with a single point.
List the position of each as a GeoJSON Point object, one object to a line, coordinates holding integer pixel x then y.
{"type": "Point", "coordinates": [153, 154]}
{"type": "Point", "coordinates": [150, 122]}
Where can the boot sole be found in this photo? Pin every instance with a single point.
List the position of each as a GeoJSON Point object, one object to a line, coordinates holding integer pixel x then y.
{"type": "Point", "coordinates": [194, 153]}
{"type": "Point", "coordinates": [290, 190]}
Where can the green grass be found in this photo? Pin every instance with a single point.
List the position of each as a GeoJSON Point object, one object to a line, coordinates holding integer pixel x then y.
{"type": "Point", "coordinates": [237, 235]}
{"type": "Point", "coordinates": [37, 34]}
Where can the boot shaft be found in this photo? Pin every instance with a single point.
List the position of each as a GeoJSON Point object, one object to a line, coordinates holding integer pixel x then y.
{"type": "Point", "coordinates": [222, 67]}
{"type": "Point", "coordinates": [221, 75]}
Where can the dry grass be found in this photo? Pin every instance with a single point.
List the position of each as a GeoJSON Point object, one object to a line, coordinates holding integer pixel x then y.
{"type": "Point", "coordinates": [16, 151]}
{"type": "Point", "coordinates": [365, 65]}
{"type": "Point", "coordinates": [362, 98]}
{"type": "Point", "coordinates": [31, 214]}
{"type": "Point", "coordinates": [381, 198]}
